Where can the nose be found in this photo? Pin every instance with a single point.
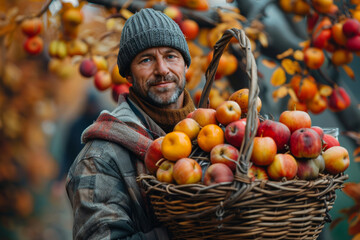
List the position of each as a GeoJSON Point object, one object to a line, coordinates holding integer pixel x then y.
{"type": "Point", "coordinates": [161, 67]}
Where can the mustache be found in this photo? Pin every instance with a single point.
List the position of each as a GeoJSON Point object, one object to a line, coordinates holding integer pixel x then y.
{"type": "Point", "coordinates": [160, 79]}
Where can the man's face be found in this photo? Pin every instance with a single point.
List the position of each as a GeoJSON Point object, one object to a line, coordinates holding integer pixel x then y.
{"type": "Point", "coordinates": [158, 76]}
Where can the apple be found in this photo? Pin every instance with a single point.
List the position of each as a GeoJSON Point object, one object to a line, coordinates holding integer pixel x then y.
{"type": "Point", "coordinates": [264, 151]}
{"type": "Point", "coordinates": [226, 154]}
{"type": "Point", "coordinates": [329, 141]}
{"type": "Point", "coordinates": [31, 26]}
{"type": "Point", "coordinates": [174, 13]}
{"type": "Point", "coordinates": [284, 165]}
{"type": "Point", "coordinates": [351, 27]}
{"type": "Point", "coordinates": [234, 133]}
{"type": "Point", "coordinates": [277, 131]}
{"type": "Point", "coordinates": [210, 136]}
{"type": "Point", "coordinates": [319, 131]}
{"type": "Point", "coordinates": [204, 116]}
{"type": "Point", "coordinates": [321, 39]}
{"type": "Point", "coordinates": [188, 126]}
{"type": "Point", "coordinates": [353, 43]}
{"type": "Point", "coordinates": [320, 162]}
{"type": "Point", "coordinates": [227, 112]}
{"type": "Point", "coordinates": [187, 171]}
{"type": "Point", "coordinates": [153, 155]}
{"type": "Point", "coordinates": [314, 57]}
{"type": "Point", "coordinates": [305, 143]}
{"type": "Point", "coordinates": [72, 17]}
{"type": "Point", "coordinates": [58, 48]}
{"type": "Point", "coordinates": [117, 89]}
{"type": "Point", "coordinates": [165, 172]}
{"type": "Point", "coordinates": [339, 99]}
{"type": "Point", "coordinates": [176, 145]}
{"type": "Point", "coordinates": [307, 169]}
{"type": "Point", "coordinates": [218, 173]}
{"type": "Point", "coordinates": [190, 29]}
{"type": "Point", "coordinates": [100, 62]}
{"type": "Point", "coordinates": [77, 47]}
{"type": "Point", "coordinates": [317, 104]}
{"type": "Point", "coordinates": [295, 119]}
{"type": "Point", "coordinates": [102, 80]}
{"type": "Point", "coordinates": [337, 33]}
{"type": "Point", "coordinates": [336, 159]}
{"type": "Point", "coordinates": [257, 172]}
{"type": "Point", "coordinates": [34, 45]}
{"type": "Point", "coordinates": [87, 68]}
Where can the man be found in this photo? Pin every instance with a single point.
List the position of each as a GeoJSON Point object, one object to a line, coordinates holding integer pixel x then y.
{"type": "Point", "coordinates": [106, 199]}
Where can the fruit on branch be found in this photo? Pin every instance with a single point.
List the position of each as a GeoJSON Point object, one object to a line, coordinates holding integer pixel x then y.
{"type": "Point", "coordinates": [305, 143]}
{"type": "Point", "coordinates": [210, 136]}
{"type": "Point", "coordinates": [226, 154]}
{"type": "Point", "coordinates": [188, 126]}
{"type": "Point", "coordinates": [204, 116]}
{"type": "Point", "coordinates": [116, 77]}
{"type": "Point", "coordinates": [284, 165]}
{"type": "Point", "coordinates": [341, 57]}
{"type": "Point", "coordinates": [329, 141]}
{"type": "Point", "coordinates": [218, 173]}
{"type": "Point", "coordinates": [72, 17]}
{"type": "Point", "coordinates": [190, 29]}
{"type": "Point", "coordinates": [77, 47]}
{"type": "Point", "coordinates": [100, 62]}
{"type": "Point", "coordinates": [257, 172]}
{"type": "Point", "coordinates": [31, 26]}
{"type": "Point", "coordinates": [102, 80]}
{"type": "Point", "coordinates": [304, 87]}
{"type": "Point", "coordinates": [336, 159]}
{"type": "Point", "coordinates": [176, 145]}
{"type": "Point", "coordinates": [165, 172]}
{"type": "Point", "coordinates": [295, 119]}
{"type": "Point", "coordinates": [227, 112]}
{"type": "Point", "coordinates": [337, 33]}
{"type": "Point", "coordinates": [314, 57]}
{"type": "Point", "coordinates": [264, 151]}
{"type": "Point", "coordinates": [277, 131]}
{"type": "Point", "coordinates": [353, 44]}
{"type": "Point", "coordinates": [241, 96]}
{"type": "Point", "coordinates": [34, 45]}
{"type": "Point", "coordinates": [351, 27]}
{"type": "Point", "coordinates": [174, 13]}
{"type": "Point", "coordinates": [58, 49]}
{"type": "Point", "coordinates": [322, 33]}
{"type": "Point", "coordinates": [153, 155]}
{"type": "Point", "coordinates": [339, 99]}
{"type": "Point", "coordinates": [234, 133]}
{"type": "Point", "coordinates": [117, 89]}
{"type": "Point", "coordinates": [87, 68]}
{"type": "Point", "coordinates": [307, 169]}
{"type": "Point", "coordinates": [187, 171]}
{"type": "Point", "coordinates": [317, 104]}
{"type": "Point", "coordinates": [322, 6]}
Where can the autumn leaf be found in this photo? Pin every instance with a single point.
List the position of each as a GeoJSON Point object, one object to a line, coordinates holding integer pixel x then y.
{"type": "Point", "coordinates": [280, 93]}
{"type": "Point", "coordinates": [269, 63]}
{"type": "Point", "coordinates": [263, 39]}
{"type": "Point", "coordinates": [278, 77]}
{"type": "Point", "coordinates": [298, 55]}
{"type": "Point", "coordinates": [352, 190]}
{"type": "Point", "coordinates": [291, 67]}
{"type": "Point", "coordinates": [325, 90]}
{"type": "Point", "coordinates": [285, 54]}
{"type": "Point", "coordinates": [349, 71]}
{"type": "Point", "coordinates": [354, 223]}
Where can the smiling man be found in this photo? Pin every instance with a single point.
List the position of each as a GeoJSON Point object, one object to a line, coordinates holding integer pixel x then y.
{"type": "Point", "coordinates": [106, 199]}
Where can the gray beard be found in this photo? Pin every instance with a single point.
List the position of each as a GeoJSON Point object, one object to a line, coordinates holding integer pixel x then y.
{"type": "Point", "coordinates": [155, 99]}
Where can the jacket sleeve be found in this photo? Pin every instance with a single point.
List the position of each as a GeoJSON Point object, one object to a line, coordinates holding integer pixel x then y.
{"type": "Point", "coordinates": [101, 205]}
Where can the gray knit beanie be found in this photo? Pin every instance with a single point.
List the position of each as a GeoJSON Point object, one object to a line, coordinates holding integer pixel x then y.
{"type": "Point", "coordinates": [146, 29]}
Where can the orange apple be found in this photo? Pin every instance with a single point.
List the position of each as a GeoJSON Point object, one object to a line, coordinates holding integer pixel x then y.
{"type": "Point", "coordinates": [190, 28]}
{"type": "Point", "coordinates": [317, 104]}
{"type": "Point", "coordinates": [337, 33]}
{"type": "Point", "coordinates": [336, 159]}
{"type": "Point", "coordinates": [100, 62]}
{"type": "Point", "coordinates": [227, 112]}
{"type": "Point", "coordinates": [226, 154]}
{"type": "Point", "coordinates": [341, 57]}
{"type": "Point", "coordinates": [72, 17]}
{"type": "Point", "coordinates": [264, 151]}
{"type": "Point", "coordinates": [210, 136]}
{"type": "Point", "coordinates": [102, 80]}
{"type": "Point", "coordinates": [322, 6]}
{"type": "Point", "coordinates": [314, 57]}
{"type": "Point", "coordinates": [305, 143]}
{"type": "Point", "coordinates": [241, 96]}
{"type": "Point", "coordinates": [188, 126]}
{"type": "Point", "coordinates": [204, 116]}
{"type": "Point", "coordinates": [31, 26]}
{"type": "Point", "coordinates": [187, 171]}
{"type": "Point", "coordinates": [295, 119]}
{"type": "Point", "coordinates": [284, 165]}
{"type": "Point", "coordinates": [165, 172]}
{"type": "Point", "coordinates": [34, 45]}
{"type": "Point", "coordinates": [176, 145]}
{"type": "Point", "coordinates": [153, 155]}
{"type": "Point", "coordinates": [257, 172]}
{"type": "Point", "coordinates": [304, 87]}
{"type": "Point", "coordinates": [87, 68]}
{"type": "Point", "coordinates": [218, 173]}
{"type": "Point", "coordinates": [329, 141]}
{"type": "Point", "coordinates": [77, 47]}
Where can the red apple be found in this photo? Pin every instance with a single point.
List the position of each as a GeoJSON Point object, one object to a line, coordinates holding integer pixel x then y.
{"type": "Point", "coordinates": [257, 172]}
{"type": "Point", "coordinates": [307, 169]}
{"type": "Point", "coordinates": [187, 171]}
{"type": "Point", "coordinates": [218, 173]}
{"type": "Point", "coordinates": [277, 131]}
{"type": "Point", "coordinates": [351, 27]}
{"type": "Point", "coordinates": [117, 89]}
{"type": "Point", "coordinates": [305, 143]}
{"type": "Point", "coordinates": [87, 68]}
{"type": "Point", "coordinates": [339, 99]}
{"type": "Point", "coordinates": [226, 154]}
{"type": "Point", "coordinates": [153, 155]}
{"type": "Point", "coordinates": [336, 160]}
{"type": "Point", "coordinates": [227, 112]}
{"type": "Point", "coordinates": [329, 141]}
{"type": "Point", "coordinates": [102, 80]}
{"type": "Point", "coordinates": [234, 133]}
{"type": "Point", "coordinates": [284, 165]}
{"type": "Point", "coordinates": [204, 116]}
{"type": "Point", "coordinates": [353, 43]}
{"type": "Point", "coordinates": [321, 39]}
{"type": "Point", "coordinates": [165, 172]}
{"type": "Point", "coordinates": [319, 130]}
{"type": "Point", "coordinates": [190, 28]}
{"type": "Point", "coordinates": [264, 151]}
{"type": "Point", "coordinates": [295, 119]}
{"type": "Point", "coordinates": [31, 26]}
{"type": "Point", "coordinates": [34, 45]}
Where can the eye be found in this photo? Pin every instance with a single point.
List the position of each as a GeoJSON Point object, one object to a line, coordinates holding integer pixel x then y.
{"type": "Point", "coordinates": [145, 60]}
{"type": "Point", "coordinates": [171, 56]}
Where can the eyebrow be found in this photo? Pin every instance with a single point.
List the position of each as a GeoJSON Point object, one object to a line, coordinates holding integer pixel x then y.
{"type": "Point", "coordinates": [150, 54]}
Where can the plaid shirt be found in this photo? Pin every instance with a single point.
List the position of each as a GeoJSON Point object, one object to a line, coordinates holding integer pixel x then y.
{"type": "Point", "coordinates": [101, 184]}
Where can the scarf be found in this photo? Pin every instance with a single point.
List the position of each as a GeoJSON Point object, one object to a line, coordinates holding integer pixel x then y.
{"type": "Point", "coordinates": [165, 118]}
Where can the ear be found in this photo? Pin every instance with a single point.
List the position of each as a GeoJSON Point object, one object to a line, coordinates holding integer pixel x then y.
{"type": "Point", "coordinates": [129, 79]}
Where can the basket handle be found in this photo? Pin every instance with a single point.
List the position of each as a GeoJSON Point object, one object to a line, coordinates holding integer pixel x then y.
{"type": "Point", "coordinates": [251, 70]}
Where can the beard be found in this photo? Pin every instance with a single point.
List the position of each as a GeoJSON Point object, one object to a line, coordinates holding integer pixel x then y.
{"type": "Point", "coordinates": [157, 99]}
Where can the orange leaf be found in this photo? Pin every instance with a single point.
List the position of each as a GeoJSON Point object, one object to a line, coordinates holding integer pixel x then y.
{"type": "Point", "coordinates": [352, 190]}
{"type": "Point", "coordinates": [280, 93]}
{"type": "Point", "coordinates": [291, 67]}
{"type": "Point", "coordinates": [357, 159]}
{"type": "Point", "coordinates": [354, 223]}
{"type": "Point", "coordinates": [325, 90]}
{"type": "Point", "coordinates": [299, 55]}
{"type": "Point", "coordinates": [357, 151]}
{"type": "Point", "coordinates": [263, 39]}
{"type": "Point", "coordinates": [356, 237]}
{"type": "Point", "coordinates": [278, 77]}
{"type": "Point", "coordinates": [269, 63]}
{"type": "Point", "coordinates": [349, 71]}
{"type": "Point", "coordinates": [285, 54]}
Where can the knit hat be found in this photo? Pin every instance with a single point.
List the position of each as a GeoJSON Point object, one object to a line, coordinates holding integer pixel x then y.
{"type": "Point", "coordinates": [146, 29]}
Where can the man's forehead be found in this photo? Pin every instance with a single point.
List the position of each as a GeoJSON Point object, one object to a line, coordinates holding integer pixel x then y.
{"type": "Point", "coordinates": [161, 50]}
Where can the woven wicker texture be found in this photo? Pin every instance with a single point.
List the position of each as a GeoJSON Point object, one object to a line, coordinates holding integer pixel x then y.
{"type": "Point", "coordinates": [243, 209]}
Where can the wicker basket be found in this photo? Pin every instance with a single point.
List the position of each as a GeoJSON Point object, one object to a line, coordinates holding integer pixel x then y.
{"type": "Point", "coordinates": [243, 209]}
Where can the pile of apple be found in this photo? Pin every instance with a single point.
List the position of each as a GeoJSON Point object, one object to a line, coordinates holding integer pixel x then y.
{"type": "Point", "coordinates": [290, 148]}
